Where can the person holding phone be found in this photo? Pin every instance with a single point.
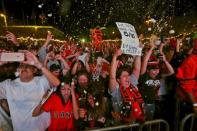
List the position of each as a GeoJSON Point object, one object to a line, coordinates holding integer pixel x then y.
{"type": "Point", "coordinates": [25, 92]}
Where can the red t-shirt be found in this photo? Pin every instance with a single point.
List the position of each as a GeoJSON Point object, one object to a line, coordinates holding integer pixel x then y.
{"type": "Point", "coordinates": [187, 74]}
{"type": "Point", "coordinates": [62, 118]}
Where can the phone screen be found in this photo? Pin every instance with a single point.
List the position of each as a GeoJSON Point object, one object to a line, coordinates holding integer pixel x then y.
{"type": "Point", "coordinates": [16, 56]}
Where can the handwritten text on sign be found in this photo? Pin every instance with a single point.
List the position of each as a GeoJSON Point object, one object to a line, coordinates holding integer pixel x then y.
{"type": "Point", "coordinates": [130, 41]}
{"type": "Point", "coordinates": [127, 49]}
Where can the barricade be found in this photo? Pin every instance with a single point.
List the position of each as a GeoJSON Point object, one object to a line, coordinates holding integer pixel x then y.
{"type": "Point", "coordinates": [189, 123]}
{"type": "Point", "coordinates": [154, 125]}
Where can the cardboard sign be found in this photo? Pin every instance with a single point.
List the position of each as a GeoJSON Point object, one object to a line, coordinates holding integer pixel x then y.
{"type": "Point", "coordinates": [130, 41]}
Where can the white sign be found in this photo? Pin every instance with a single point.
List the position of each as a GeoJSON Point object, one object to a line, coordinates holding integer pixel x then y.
{"type": "Point", "coordinates": [130, 41]}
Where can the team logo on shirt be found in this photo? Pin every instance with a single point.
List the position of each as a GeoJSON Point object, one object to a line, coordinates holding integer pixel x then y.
{"type": "Point", "coordinates": [62, 114]}
{"type": "Point", "coordinates": [154, 83]}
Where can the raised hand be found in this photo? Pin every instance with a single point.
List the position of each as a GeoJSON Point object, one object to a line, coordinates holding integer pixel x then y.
{"type": "Point", "coordinates": [31, 59]}
{"type": "Point", "coordinates": [49, 36]}
{"type": "Point", "coordinates": [11, 37]}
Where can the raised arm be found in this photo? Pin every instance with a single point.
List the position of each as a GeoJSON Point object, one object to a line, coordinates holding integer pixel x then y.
{"type": "Point", "coordinates": [48, 39]}
{"type": "Point", "coordinates": [73, 55]}
{"type": "Point", "coordinates": [66, 66]}
{"type": "Point", "coordinates": [145, 60]}
{"type": "Point", "coordinates": [47, 58]}
{"type": "Point", "coordinates": [87, 66]}
{"type": "Point", "coordinates": [31, 59]}
{"type": "Point", "coordinates": [167, 64]}
{"type": "Point", "coordinates": [43, 50]}
{"type": "Point", "coordinates": [137, 66]}
{"type": "Point", "coordinates": [74, 102]}
{"type": "Point", "coordinates": [148, 54]}
{"type": "Point", "coordinates": [11, 37]}
{"type": "Point", "coordinates": [74, 69]}
{"type": "Point", "coordinates": [113, 69]}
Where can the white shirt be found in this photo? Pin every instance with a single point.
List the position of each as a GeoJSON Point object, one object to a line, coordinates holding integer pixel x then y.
{"type": "Point", "coordinates": [5, 121]}
{"type": "Point", "coordinates": [22, 99]}
{"type": "Point", "coordinates": [162, 89]}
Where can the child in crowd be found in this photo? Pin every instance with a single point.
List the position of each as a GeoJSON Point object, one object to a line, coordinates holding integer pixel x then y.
{"type": "Point", "coordinates": [62, 106]}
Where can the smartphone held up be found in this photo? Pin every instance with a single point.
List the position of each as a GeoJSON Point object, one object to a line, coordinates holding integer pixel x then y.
{"type": "Point", "coordinates": [12, 56]}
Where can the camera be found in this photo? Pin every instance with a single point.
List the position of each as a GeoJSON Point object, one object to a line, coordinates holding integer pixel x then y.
{"type": "Point", "coordinates": [14, 56]}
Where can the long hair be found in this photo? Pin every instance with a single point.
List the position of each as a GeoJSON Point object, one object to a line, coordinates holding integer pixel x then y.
{"type": "Point", "coordinates": [64, 80]}
{"type": "Point", "coordinates": [80, 73]}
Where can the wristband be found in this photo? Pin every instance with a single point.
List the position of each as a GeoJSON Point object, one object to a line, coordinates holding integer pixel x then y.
{"type": "Point", "coordinates": [195, 105]}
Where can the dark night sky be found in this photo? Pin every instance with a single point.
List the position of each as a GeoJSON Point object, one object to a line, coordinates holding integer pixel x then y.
{"type": "Point", "coordinates": [76, 16]}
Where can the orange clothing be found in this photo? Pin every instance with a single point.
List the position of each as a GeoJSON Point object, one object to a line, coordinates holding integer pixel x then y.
{"type": "Point", "coordinates": [187, 75]}
{"type": "Point", "coordinates": [62, 118]}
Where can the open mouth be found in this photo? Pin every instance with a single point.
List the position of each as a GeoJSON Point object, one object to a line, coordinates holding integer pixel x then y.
{"type": "Point", "coordinates": [127, 82]}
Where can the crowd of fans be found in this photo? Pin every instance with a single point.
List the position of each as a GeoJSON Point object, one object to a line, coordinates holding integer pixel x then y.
{"type": "Point", "coordinates": [92, 86]}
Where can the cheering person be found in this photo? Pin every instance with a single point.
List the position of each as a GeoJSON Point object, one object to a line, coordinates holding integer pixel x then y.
{"type": "Point", "coordinates": [62, 106]}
